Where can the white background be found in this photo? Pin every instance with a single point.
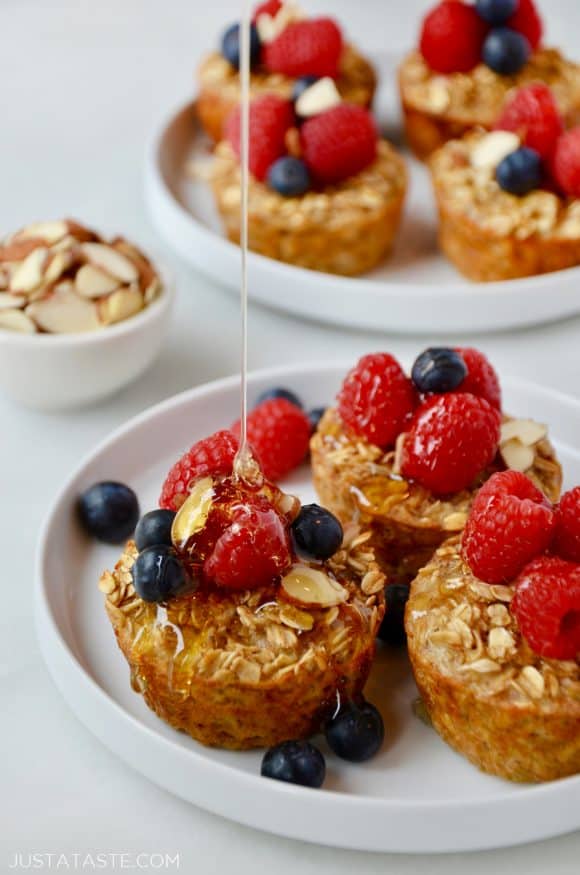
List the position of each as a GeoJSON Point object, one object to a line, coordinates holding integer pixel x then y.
{"type": "Point", "coordinates": [82, 84]}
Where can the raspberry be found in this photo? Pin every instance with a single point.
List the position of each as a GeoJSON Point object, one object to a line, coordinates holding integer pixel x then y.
{"type": "Point", "coordinates": [566, 163]}
{"type": "Point", "coordinates": [547, 607]}
{"type": "Point", "coordinates": [306, 48]}
{"type": "Point", "coordinates": [252, 551]}
{"type": "Point", "coordinates": [452, 38]}
{"type": "Point", "coordinates": [271, 7]}
{"type": "Point", "coordinates": [510, 523]}
{"type": "Point", "coordinates": [481, 379]}
{"type": "Point", "coordinates": [270, 118]}
{"type": "Point", "coordinates": [452, 440]}
{"type": "Point", "coordinates": [377, 399]}
{"type": "Point", "coordinates": [214, 455]}
{"type": "Point", "coordinates": [339, 143]}
{"type": "Point", "coordinates": [528, 22]}
{"type": "Point", "coordinates": [533, 114]}
{"type": "Point", "coordinates": [566, 541]}
{"type": "Point", "coordinates": [279, 433]}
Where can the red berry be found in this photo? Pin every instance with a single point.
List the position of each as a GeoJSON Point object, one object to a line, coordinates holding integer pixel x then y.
{"type": "Point", "coordinates": [547, 607]}
{"type": "Point", "coordinates": [252, 551]}
{"type": "Point", "coordinates": [566, 163]}
{"type": "Point", "coordinates": [452, 440]}
{"type": "Point", "coordinates": [510, 523]}
{"type": "Point", "coordinates": [339, 143]}
{"type": "Point", "coordinates": [528, 21]}
{"type": "Point", "coordinates": [271, 7]}
{"type": "Point", "coordinates": [306, 48]}
{"type": "Point", "coordinates": [534, 115]}
{"type": "Point", "coordinates": [566, 541]}
{"type": "Point", "coordinates": [377, 399]}
{"type": "Point", "coordinates": [481, 379]}
{"type": "Point", "coordinates": [279, 433]}
{"type": "Point", "coordinates": [270, 118]}
{"type": "Point", "coordinates": [452, 37]}
{"type": "Point", "coordinates": [213, 455]}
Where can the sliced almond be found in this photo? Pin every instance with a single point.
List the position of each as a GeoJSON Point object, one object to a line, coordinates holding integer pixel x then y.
{"type": "Point", "coordinates": [50, 232]}
{"type": "Point", "coordinates": [12, 302]}
{"type": "Point", "coordinates": [526, 431]}
{"type": "Point", "coordinates": [308, 586]}
{"type": "Point", "coordinates": [92, 282]}
{"type": "Point", "coordinates": [493, 148]}
{"type": "Point", "coordinates": [146, 271]}
{"type": "Point", "coordinates": [64, 312]}
{"type": "Point", "coordinates": [516, 456]}
{"type": "Point", "coordinates": [152, 291]}
{"type": "Point", "coordinates": [17, 250]}
{"type": "Point", "coordinates": [30, 274]}
{"type": "Point", "coordinates": [16, 320]}
{"type": "Point", "coordinates": [322, 95]}
{"type": "Point", "coordinates": [193, 513]}
{"type": "Point", "coordinates": [111, 261]}
{"type": "Point", "coordinates": [120, 305]}
{"type": "Point", "coordinates": [59, 262]}
{"type": "Point", "coordinates": [79, 233]}
{"type": "Point", "coordinates": [271, 26]}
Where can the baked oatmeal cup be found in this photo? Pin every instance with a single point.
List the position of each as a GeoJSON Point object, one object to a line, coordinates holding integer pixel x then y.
{"type": "Point", "coordinates": [310, 48]}
{"type": "Point", "coordinates": [448, 90]}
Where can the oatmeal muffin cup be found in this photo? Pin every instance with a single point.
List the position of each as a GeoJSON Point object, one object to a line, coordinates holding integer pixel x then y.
{"type": "Point", "coordinates": [287, 50]}
{"type": "Point", "coordinates": [463, 73]}
{"type": "Point", "coordinates": [496, 659]}
{"type": "Point", "coordinates": [386, 484]}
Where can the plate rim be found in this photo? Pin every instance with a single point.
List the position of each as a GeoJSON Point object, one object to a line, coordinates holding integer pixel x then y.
{"type": "Point", "coordinates": [55, 648]}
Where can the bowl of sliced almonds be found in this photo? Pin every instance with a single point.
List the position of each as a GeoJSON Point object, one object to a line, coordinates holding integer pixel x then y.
{"type": "Point", "coordinates": [81, 316]}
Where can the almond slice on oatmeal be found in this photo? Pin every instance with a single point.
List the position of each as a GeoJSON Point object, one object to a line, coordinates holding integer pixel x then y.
{"type": "Point", "coordinates": [308, 586]}
{"type": "Point", "coordinates": [111, 261]}
{"type": "Point", "coordinates": [16, 320]}
{"type": "Point", "coordinates": [526, 431]}
{"type": "Point", "coordinates": [517, 456]}
{"type": "Point", "coordinates": [64, 312]}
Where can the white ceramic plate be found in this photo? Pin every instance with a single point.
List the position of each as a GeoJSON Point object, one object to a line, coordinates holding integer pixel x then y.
{"type": "Point", "coordinates": [416, 796]}
{"type": "Point", "coordinates": [417, 291]}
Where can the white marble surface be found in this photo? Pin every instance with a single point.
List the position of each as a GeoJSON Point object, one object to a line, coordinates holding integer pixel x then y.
{"type": "Point", "coordinates": [82, 85]}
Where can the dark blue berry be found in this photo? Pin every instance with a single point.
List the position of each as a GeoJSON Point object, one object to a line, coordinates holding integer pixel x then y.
{"type": "Point", "coordinates": [159, 575]}
{"type": "Point", "coordinates": [231, 45]}
{"type": "Point", "coordinates": [301, 85]}
{"type": "Point", "coordinates": [356, 733]}
{"type": "Point", "coordinates": [520, 172]}
{"type": "Point", "coordinates": [316, 532]}
{"type": "Point", "coordinates": [109, 512]}
{"type": "Point", "coordinates": [438, 369]}
{"type": "Point", "coordinates": [289, 177]}
{"type": "Point", "coordinates": [314, 417]}
{"type": "Point", "coordinates": [496, 11]}
{"type": "Point", "coordinates": [279, 392]}
{"type": "Point", "coordinates": [154, 528]}
{"type": "Point", "coordinates": [392, 629]}
{"type": "Point", "coordinates": [296, 762]}
{"type": "Point", "coordinates": [506, 51]}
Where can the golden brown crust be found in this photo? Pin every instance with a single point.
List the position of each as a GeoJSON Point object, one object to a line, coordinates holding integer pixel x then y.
{"type": "Point", "coordinates": [219, 91]}
{"type": "Point", "coordinates": [438, 108]}
{"type": "Point", "coordinates": [356, 480]}
{"type": "Point", "coordinates": [509, 711]}
{"type": "Point", "coordinates": [490, 234]}
{"type": "Point", "coordinates": [247, 670]}
{"type": "Point", "coordinates": [347, 229]}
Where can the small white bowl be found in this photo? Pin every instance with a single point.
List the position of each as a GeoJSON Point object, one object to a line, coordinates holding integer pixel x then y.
{"type": "Point", "coordinates": [61, 371]}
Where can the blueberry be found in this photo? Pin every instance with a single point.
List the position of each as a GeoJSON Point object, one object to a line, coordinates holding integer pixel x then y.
{"type": "Point", "coordinates": [438, 369]}
{"type": "Point", "coordinates": [520, 172]}
{"type": "Point", "coordinates": [154, 528]}
{"type": "Point", "coordinates": [279, 392]}
{"type": "Point", "coordinates": [392, 629]}
{"type": "Point", "coordinates": [231, 45]}
{"type": "Point", "coordinates": [496, 11]}
{"type": "Point", "coordinates": [296, 762]}
{"type": "Point", "coordinates": [109, 512]}
{"type": "Point", "coordinates": [506, 51]}
{"type": "Point", "coordinates": [316, 532]}
{"type": "Point", "coordinates": [159, 575]}
{"type": "Point", "coordinates": [289, 177]}
{"type": "Point", "coordinates": [356, 733]}
{"type": "Point", "coordinates": [314, 417]}
{"type": "Point", "coordinates": [301, 85]}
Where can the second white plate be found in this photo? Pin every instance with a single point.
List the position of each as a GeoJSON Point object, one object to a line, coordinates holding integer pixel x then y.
{"type": "Point", "coordinates": [417, 291]}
